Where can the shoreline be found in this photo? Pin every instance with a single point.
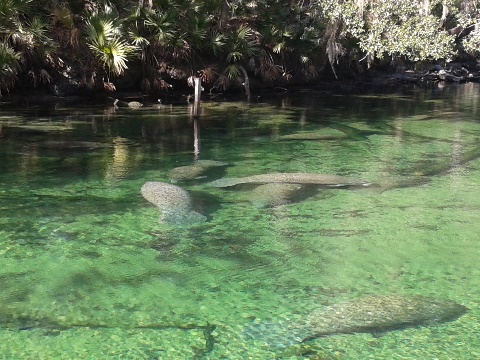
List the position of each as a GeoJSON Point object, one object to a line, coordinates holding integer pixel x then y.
{"type": "Point", "coordinates": [387, 82]}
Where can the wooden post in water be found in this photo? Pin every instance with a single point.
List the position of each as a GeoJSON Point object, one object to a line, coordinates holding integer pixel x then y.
{"type": "Point", "coordinates": [196, 140]}
{"type": "Point", "coordinates": [196, 115]}
{"type": "Point", "coordinates": [198, 92]}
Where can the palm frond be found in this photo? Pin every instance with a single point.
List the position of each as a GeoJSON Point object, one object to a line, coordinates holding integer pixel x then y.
{"type": "Point", "coordinates": [208, 75]}
{"type": "Point", "coordinates": [268, 70]}
{"type": "Point", "coordinates": [234, 56]}
{"type": "Point", "coordinates": [10, 8]}
{"type": "Point", "coordinates": [113, 54]}
{"type": "Point", "coordinates": [221, 83]}
{"type": "Point", "coordinates": [9, 64]}
{"type": "Point", "coordinates": [136, 37]}
{"type": "Point", "coordinates": [242, 44]}
{"type": "Point", "coordinates": [217, 42]}
{"type": "Point", "coordinates": [99, 31]}
{"type": "Point", "coordinates": [232, 71]}
{"type": "Point", "coordinates": [278, 48]}
{"type": "Point", "coordinates": [162, 26]}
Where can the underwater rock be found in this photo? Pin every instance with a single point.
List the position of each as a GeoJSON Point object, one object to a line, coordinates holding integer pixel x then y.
{"type": "Point", "coordinates": [292, 178]}
{"type": "Point", "coordinates": [274, 194]}
{"type": "Point", "coordinates": [378, 314]}
{"type": "Point", "coordinates": [174, 203]}
{"type": "Point", "coordinates": [191, 172]}
{"type": "Point", "coordinates": [372, 314]}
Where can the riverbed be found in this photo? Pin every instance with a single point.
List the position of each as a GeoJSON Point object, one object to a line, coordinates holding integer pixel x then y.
{"type": "Point", "coordinates": [90, 272]}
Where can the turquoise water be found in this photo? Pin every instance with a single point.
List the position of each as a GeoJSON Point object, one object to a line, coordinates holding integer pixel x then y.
{"type": "Point", "coordinates": [89, 272]}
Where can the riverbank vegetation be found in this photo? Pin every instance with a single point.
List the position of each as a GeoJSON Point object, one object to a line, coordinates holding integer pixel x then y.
{"type": "Point", "coordinates": [73, 46]}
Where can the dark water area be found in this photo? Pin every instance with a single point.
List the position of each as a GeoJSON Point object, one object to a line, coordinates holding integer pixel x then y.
{"type": "Point", "coordinates": [90, 271]}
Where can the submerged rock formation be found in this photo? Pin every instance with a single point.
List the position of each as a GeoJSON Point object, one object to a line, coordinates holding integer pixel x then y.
{"type": "Point", "coordinates": [174, 203]}
{"type": "Point", "coordinates": [195, 171]}
{"type": "Point", "coordinates": [292, 178]}
{"type": "Point", "coordinates": [372, 314]}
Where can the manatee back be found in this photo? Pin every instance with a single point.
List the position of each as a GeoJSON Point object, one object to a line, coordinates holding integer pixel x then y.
{"type": "Point", "coordinates": [166, 196]}
{"type": "Point", "coordinates": [377, 314]}
{"type": "Point", "coordinates": [183, 173]}
{"type": "Point", "coordinates": [274, 194]}
{"type": "Point", "coordinates": [174, 203]}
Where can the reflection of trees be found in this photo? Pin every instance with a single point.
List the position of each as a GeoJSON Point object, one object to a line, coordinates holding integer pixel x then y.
{"type": "Point", "coordinates": [119, 166]}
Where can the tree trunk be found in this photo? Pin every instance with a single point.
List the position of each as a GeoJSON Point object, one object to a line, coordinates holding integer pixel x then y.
{"type": "Point", "coordinates": [148, 4]}
{"type": "Point", "coordinates": [246, 82]}
{"type": "Point", "coordinates": [223, 15]}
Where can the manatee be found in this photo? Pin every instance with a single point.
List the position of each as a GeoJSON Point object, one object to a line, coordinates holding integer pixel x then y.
{"type": "Point", "coordinates": [131, 104]}
{"type": "Point", "coordinates": [312, 136]}
{"type": "Point", "coordinates": [174, 203]}
{"type": "Point", "coordinates": [274, 194]}
{"type": "Point", "coordinates": [69, 145]}
{"type": "Point", "coordinates": [292, 178]}
{"type": "Point", "coordinates": [134, 104]}
{"type": "Point", "coordinates": [373, 314]}
{"type": "Point", "coordinates": [195, 171]}
{"type": "Point", "coordinates": [378, 314]}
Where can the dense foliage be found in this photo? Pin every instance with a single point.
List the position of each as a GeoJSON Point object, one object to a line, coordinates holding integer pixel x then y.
{"type": "Point", "coordinates": [153, 43]}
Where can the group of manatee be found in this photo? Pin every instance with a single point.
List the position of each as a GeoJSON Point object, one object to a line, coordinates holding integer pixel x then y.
{"type": "Point", "coordinates": [275, 189]}
{"type": "Point", "coordinates": [373, 314]}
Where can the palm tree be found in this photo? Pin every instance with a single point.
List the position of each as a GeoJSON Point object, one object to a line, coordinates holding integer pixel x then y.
{"type": "Point", "coordinates": [107, 41]}
{"type": "Point", "coordinates": [27, 46]}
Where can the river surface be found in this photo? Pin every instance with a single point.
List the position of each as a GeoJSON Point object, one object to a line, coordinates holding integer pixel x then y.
{"type": "Point", "coordinates": [89, 272]}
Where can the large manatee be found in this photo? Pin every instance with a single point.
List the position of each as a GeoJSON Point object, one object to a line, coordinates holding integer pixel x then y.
{"type": "Point", "coordinates": [191, 172]}
{"type": "Point", "coordinates": [378, 314]}
{"type": "Point", "coordinates": [292, 178]}
{"type": "Point", "coordinates": [174, 203]}
{"type": "Point", "coordinates": [372, 314]}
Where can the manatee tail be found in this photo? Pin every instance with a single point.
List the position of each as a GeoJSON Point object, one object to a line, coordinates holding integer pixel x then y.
{"type": "Point", "coordinates": [182, 218]}
{"type": "Point", "coordinates": [225, 182]}
{"type": "Point", "coordinates": [276, 334]}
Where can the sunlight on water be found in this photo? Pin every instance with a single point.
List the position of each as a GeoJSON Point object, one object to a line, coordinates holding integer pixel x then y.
{"type": "Point", "coordinates": [89, 271]}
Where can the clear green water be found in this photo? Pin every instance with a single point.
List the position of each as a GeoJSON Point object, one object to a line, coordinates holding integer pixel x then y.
{"type": "Point", "coordinates": [88, 272]}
